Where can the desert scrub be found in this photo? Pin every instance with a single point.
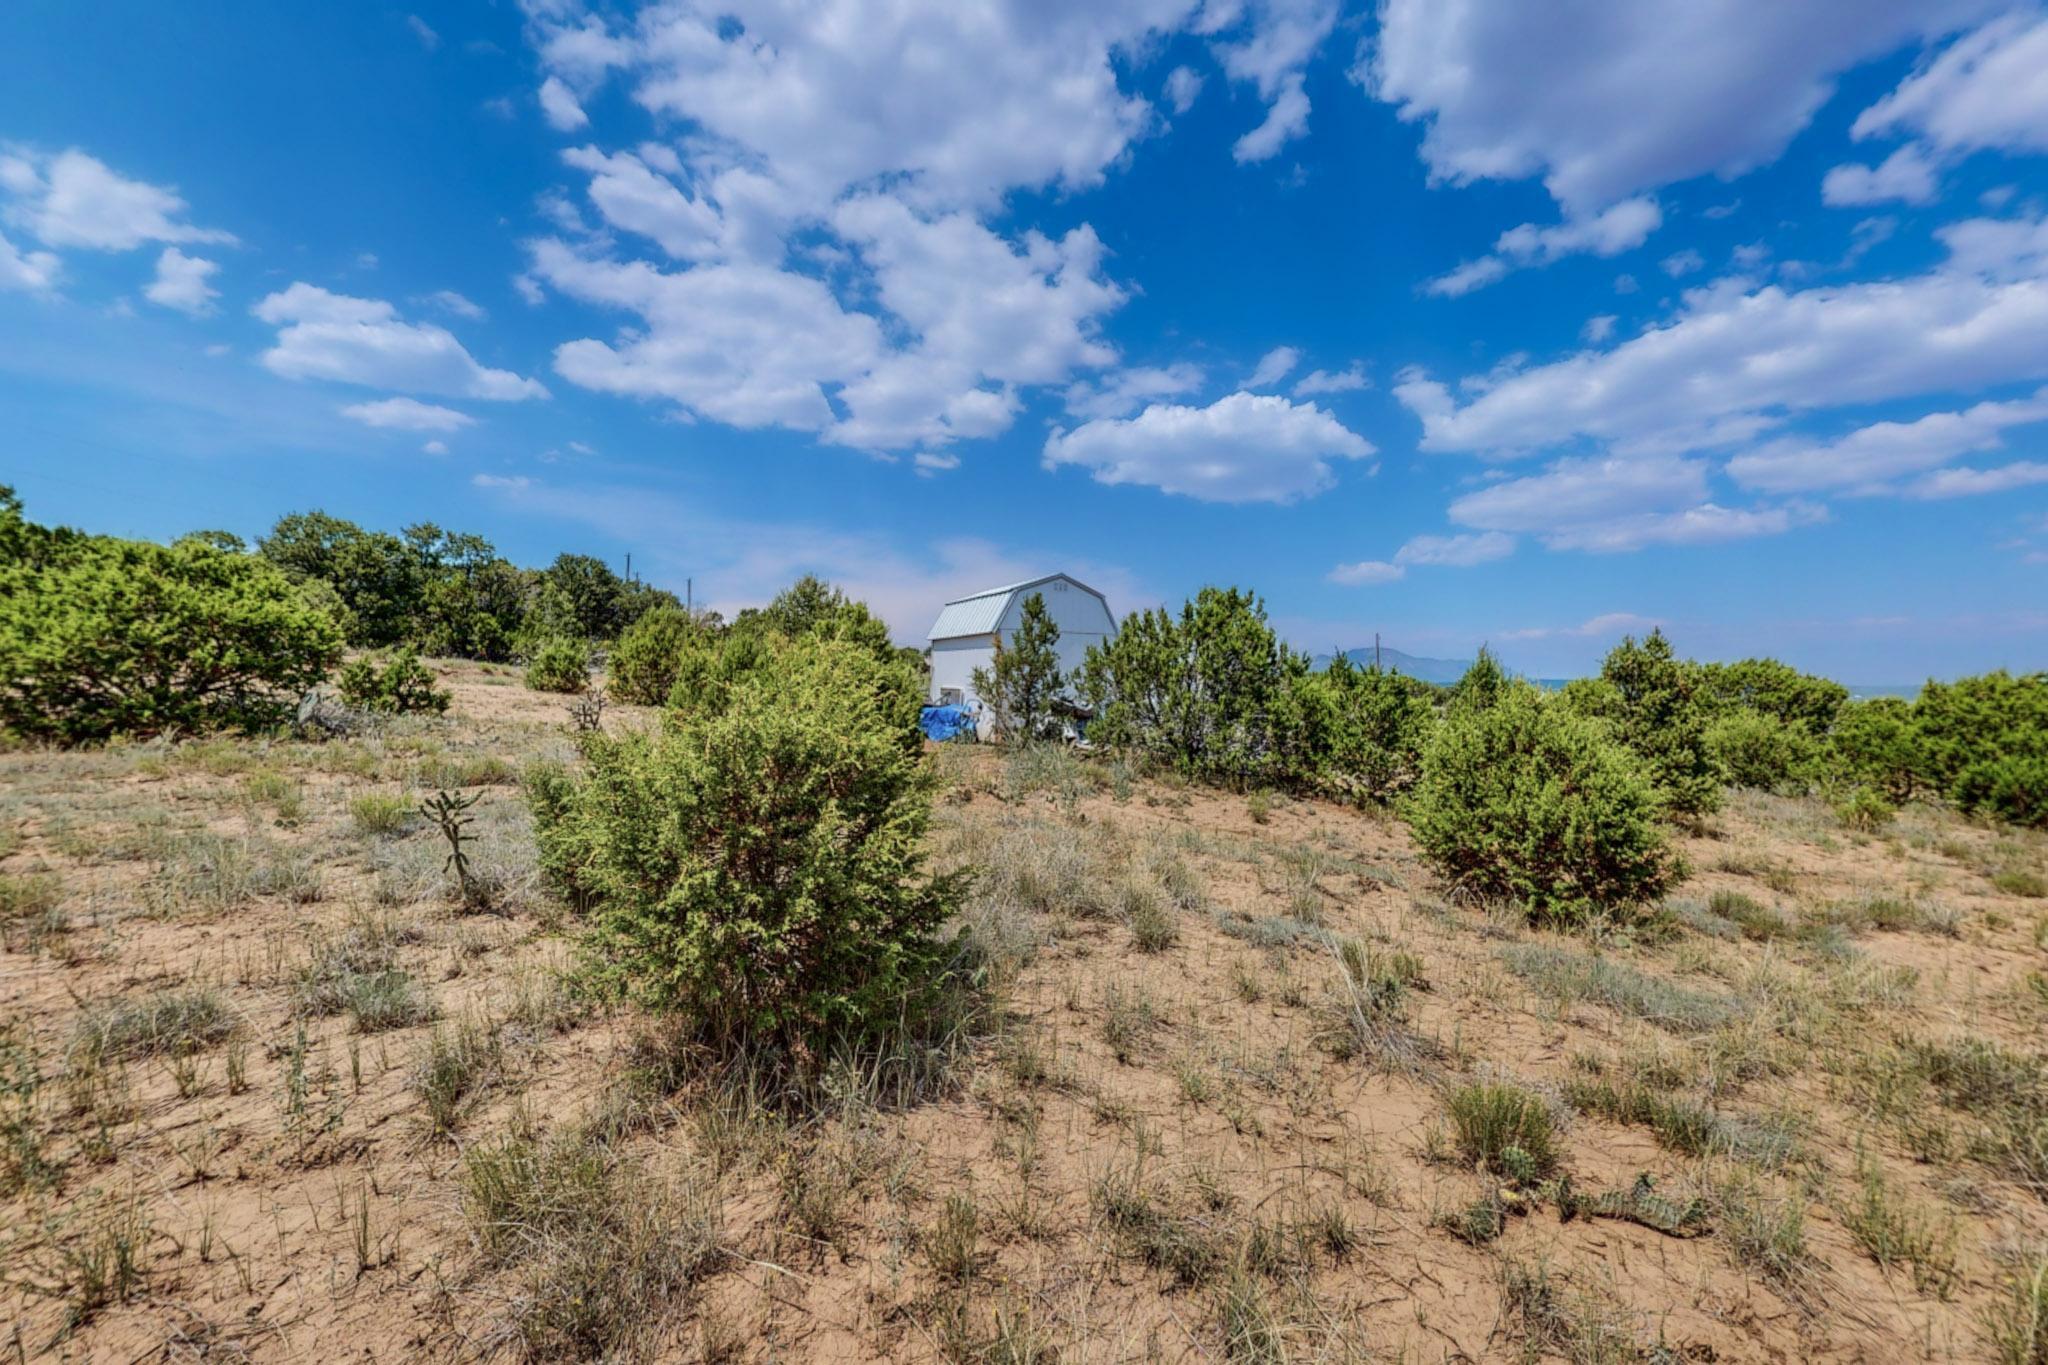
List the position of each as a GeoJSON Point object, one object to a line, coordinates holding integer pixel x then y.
{"type": "Point", "coordinates": [559, 666]}
{"type": "Point", "coordinates": [27, 896]}
{"type": "Point", "coordinates": [1146, 915]}
{"type": "Point", "coordinates": [2018, 1324]}
{"type": "Point", "coordinates": [1525, 801]}
{"type": "Point", "coordinates": [1892, 1230]}
{"type": "Point", "coordinates": [1864, 811]}
{"type": "Point", "coordinates": [760, 869]}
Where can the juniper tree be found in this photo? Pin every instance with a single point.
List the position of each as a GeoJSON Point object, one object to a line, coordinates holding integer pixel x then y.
{"type": "Point", "coordinates": [1025, 679]}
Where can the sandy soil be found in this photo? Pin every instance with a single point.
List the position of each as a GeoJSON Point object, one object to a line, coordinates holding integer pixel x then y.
{"type": "Point", "coordinates": [271, 1187]}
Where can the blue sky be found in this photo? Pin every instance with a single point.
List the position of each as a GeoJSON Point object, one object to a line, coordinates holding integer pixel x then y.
{"type": "Point", "coordinates": [1455, 320]}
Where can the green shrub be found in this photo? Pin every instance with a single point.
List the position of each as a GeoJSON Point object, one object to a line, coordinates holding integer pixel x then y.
{"type": "Point", "coordinates": [1773, 689]}
{"type": "Point", "coordinates": [560, 665]}
{"type": "Point", "coordinates": [371, 577]}
{"type": "Point", "coordinates": [402, 686]}
{"type": "Point", "coordinates": [811, 608]}
{"type": "Point", "coordinates": [1528, 801]}
{"type": "Point", "coordinates": [759, 867]}
{"type": "Point", "coordinates": [1757, 749]}
{"type": "Point", "coordinates": [1375, 729]}
{"type": "Point", "coordinates": [579, 597]}
{"type": "Point", "coordinates": [1980, 720]}
{"type": "Point", "coordinates": [381, 813]}
{"type": "Point", "coordinates": [1212, 693]}
{"type": "Point", "coordinates": [643, 666]}
{"type": "Point", "coordinates": [1876, 743]}
{"type": "Point", "coordinates": [102, 637]}
{"type": "Point", "coordinates": [709, 665]}
{"type": "Point", "coordinates": [1864, 810]}
{"type": "Point", "coordinates": [2013, 788]}
{"type": "Point", "coordinates": [1652, 700]}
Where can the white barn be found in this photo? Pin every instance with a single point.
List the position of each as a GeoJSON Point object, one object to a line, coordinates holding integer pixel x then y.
{"type": "Point", "coordinates": [970, 629]}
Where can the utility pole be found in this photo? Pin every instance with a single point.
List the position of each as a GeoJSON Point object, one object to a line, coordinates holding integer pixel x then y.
{"type": "Point", "coordinates": [1376, 650]}
{"type": "Point", "coordinates": [629, 566]}
{"type": "Point", "coordinates": [689, 597]}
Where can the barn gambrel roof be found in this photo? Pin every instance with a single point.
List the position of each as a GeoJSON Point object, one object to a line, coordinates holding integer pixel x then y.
{"type": "Point", "coordinates": [979, 613]}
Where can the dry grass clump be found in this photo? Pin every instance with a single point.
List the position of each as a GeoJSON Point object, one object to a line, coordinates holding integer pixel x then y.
{"type": "Point", "coordinates": [169, 1023]}
{"type": "Point", "coordinates": [2018, 1324]}
{"type": "Point", "coordinates": [1554, 1321]}
{"type": "Point", "coordinates": [603, 1247]}
{"type": "Point", "coordinates": [1370, 1005]}
{"type": "Point", "coordinates": [2005, 1091]}
{"type": "Point", "coordinates": [382, 814]}
{"type": "Point", "coordinates": [356, 973]}
{"type": "Point", "coordinates": [455, 1067]}
{"type": "Point", "coordinates": [1895, 1231]}
{"type": "Point", "coordinates": [1565, 974]}
{"type": "Point", "coordinates": [1765, 1231]}
{"type": "Point", "coordinates": [208, 873]}
{"type": "Point", "coordinates": [1189, 1247]}
{"type": "Point", "coordinates": [31, 910]}
{"type": "Point", "coordinates": [94, 1258]}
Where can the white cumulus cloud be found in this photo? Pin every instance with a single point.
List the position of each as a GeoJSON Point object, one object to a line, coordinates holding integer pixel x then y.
{"type": "Point", "coordinates": [181, 283]}
{"type": "Point", "coordinates": [407, 414]}
{"type": "Point", "coordinates": [1615, 229]}
{"type": "Point", "coordinates": [1122, 392]}
{"type": "Point", "coordinates": [1605, 101]}
{"type": "Point", "coordinates": [1869, 458]}
{"type": "Point", "coordinates": [1967, 483]}
{"type": "Point", "coordinates": [1245, 447]}
{"type": "Point", "coordinates": [560, 107]}
{"type": "Point", "coordinates": [1367, 573]}
{"type": "Point", "coordinates": [1985, 90]}
{"type": "Point", "coordinates": [1906, 175]}
{"type": "Point", "coordinates": [1272, 54]}
{"type": "Point", "coordinates": [1274, 366]}
{"type": "Point", "coordinates": [324, 335]}
{"type": "Point", "coordinates": [1350, 379]}
{"type": "Point", "coordinates": [1736, 361]}
{"type": "Point", "coordinates": [30, 270]}
{"type": "Point", "coordinates": [73, 199]}
{"type": "Point", "coordinates": [1613, 503]}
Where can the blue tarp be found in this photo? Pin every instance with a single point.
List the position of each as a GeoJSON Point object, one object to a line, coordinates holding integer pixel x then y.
{"type": "Point", "coordinates": [947, 722]}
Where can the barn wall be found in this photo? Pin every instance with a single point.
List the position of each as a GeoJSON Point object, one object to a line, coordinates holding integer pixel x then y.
{"type": "Point", "coordinates": [953, 661]}
{"type": "Point", "coordinates": [1081, 616]}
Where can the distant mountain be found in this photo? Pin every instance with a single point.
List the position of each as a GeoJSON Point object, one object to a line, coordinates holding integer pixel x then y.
{"type": "Point", "coordinates": [1446, 671]}
{"type": "Point", "coordinates": [1409, 665]}
{"type": "Point", "coordinates": [1441, 671]}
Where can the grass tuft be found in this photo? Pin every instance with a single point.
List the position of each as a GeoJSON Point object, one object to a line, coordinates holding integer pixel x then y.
{"type": "Point", "coordinates": [1504, 1129]}
{"type": "Point", "coordinates": [1568, 975]}
{"type": "Point", "coordinates": [170, 1023]}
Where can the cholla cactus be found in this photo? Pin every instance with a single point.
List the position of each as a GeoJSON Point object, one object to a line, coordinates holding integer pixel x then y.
{"type": "Point", "coordinates": [446, 809]}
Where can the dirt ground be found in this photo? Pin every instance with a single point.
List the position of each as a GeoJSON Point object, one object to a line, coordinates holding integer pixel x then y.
{"type": "Point", "coordinates": [263, 1076]}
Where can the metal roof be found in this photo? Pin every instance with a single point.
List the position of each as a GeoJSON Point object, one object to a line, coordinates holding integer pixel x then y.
{"type": "Point", "coordinates": [979, 613]}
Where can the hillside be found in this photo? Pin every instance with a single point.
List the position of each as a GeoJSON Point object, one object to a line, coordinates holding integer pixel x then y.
{"type": "Point", "coordinates": [269, 1089]}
